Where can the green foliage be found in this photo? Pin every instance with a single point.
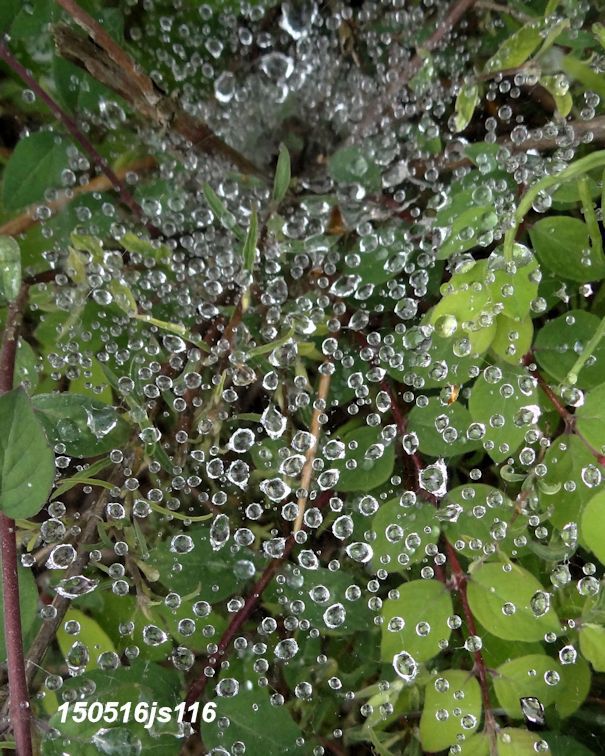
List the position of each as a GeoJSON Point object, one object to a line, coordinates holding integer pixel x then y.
{"type": "Point", "coordinates": [27, 466]}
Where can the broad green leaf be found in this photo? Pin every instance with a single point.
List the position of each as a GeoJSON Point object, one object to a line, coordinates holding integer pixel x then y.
{"type": "Point", "coordinates": [456, 692]}
{"type": "Point", "coordinates": [467, 230]}
{"type": "Point", "coordinates": [351, 165]}
{"type": "Point", "coordinates": [516, 742]}
{"type": "Point", "coordinates": [249, 251]}
{"type": "Point", "coordinates": [319, 590]}
{"type": "Point", "coordinates": [542, 677]}
{"type": "Point", "coordinates": [590, 417]}
{"type": "Point", "coordinates": [402, 534]}
{"type": "Point", "coordinates": [516, 49]}
{"type": "Point", "coordinates": [10, 268]}
{"type": "Point", "coordinates": [26, 367]}
{"type": "Point", "coordinates": [442, 429]}
{"type": "Point", "coordinates": [569, 464]}
{"type": "Point", "coordinates": [265, 729]}
{"type": "Point", "coordinates": [513, 339]}
{"type": "Point", "coordinates": [510, 602]}
{"type": "Point", "coordinates": [466, 102]}
{"type": "Point", "coordinates": [86, 427]}
{"type": "Point", "coordinates": [123, 297]}
{"type": "Point", "coordinates": [504, 401]}
{"type": "Point", "coordinates": [27, 462]}
{"type": "Point", "coordinates": [423, 607]}
{"type": "Point", "coordinates": [477, 517]}
{"type": "Point", "coordinates": [374, 461]}
{"type": "Point", "coordinates": [90, 634]}
{"type": "Point", "coordinates": [560, 341]}
{"type": "Point", "coordinates": [513, 287]}
{"type": "Point", "coordinates": [281, 182]}
{"type": "Point", "coordinates": [563, 745]}
{"type": "Point", "coordinates": [28, 601]}
{"type": "Point", "coordinates": [34, 165]}
{"type": "Point", "coordinates": [187, 560]}
{"type": "Point", "coordinates": [562, 244]}
{"type": "Point", "coordinates": [593, 525]}
{"type": "Point", "coordinates": [592, 645]}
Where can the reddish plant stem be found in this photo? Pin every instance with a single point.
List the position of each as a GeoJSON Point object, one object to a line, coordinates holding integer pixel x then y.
{"type": "Point", "coordinates": [72, 127]}
{"type": "Point", "coordinates": [567, 416]}
{"type": "Point", "coordinates": [459, 577]}
{"type": "Point", "coordinates": [459, 583]}
{"type": "Point", "coordinates": [198, 686]}
{"type": "Point", "coordinates": [20, 713]}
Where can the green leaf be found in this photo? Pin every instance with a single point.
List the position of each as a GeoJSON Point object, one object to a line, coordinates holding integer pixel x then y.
{"type": "Point", "coordinates": [249, 252]}
{"type": "Point", "coordinates": [91, 634]}
{"type": "Point", "coordinates": [514, 286]}
{"type": "Point", "coordinates": [592, 645]}
{"type": "Point", "coordinates": [478, 517]}
{"type": "Point", "coordinates": [466, 230]}
{"type": "Point", "coordinates": [584, 73]}
{"type": "Point", "coordinates": [281, 182]}
{"type": "Point", "coordinates": [27, 462]}
{"type": "Point", "coordinates": [266, 730]}
{"type": "Point", "coordinates": [539, 676]}
{"type": "Point", "coordinates": [458, 693]}
{"type": "Point", "coordinates": [87, 427]}
{"type": "Point", "coordinates": [593, 525]}
{"type": "Point", "coordinates": [184, 564]}
{"type": "Point", "coordinates": [516, 49]}
{"type": "Point", "coordinates": [374, 461]}
{"type": "Point", "coordinates": [559, 343]}
{"type": "Point", "coordinates": [10, 268]}
{"type": "Point", "coordinates": [590, 417]}
{"type": "Point", "coordinates": [351, 165]}
{"type": "Point", "coordinates": [466, 102]}
{"type": "Point", "coordinates": [221, 212]}
{"type": "Point", "coordinates": [566, 460]}
{"type": "Point", "coordinates": [510, 602]}
{"type": "Point", "coordinates": [562, 245]}
{"type": "Point", "coordinates": [28, 601]}
{"type": "Point", "coordinates": [420, 601]}
{"type": "Point", "coordinates": [34, 166]}
{"type": "Point", "coordinates": [316, 591]}
{"type": "Point", "coordinates": [558, 88]}
{"type": "Point", "coordinates": [501, 400]}
{"type": "Point", "coordinates": [442, 429]}
{"type": "Point", "coordinates": [513, 339]}
{"type": "Point", "coordinates": [514, 742]}
{"type": "Point", "coordinates": [402, 534]}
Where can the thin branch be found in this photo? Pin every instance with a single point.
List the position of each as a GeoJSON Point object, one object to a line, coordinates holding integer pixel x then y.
{"type": "Point", "coordinates": [375, 110]}
{"type": "Point", "coordinates": [307, 471]}
{"type": "Point", "coordinates": [28, 218]}
{"type": "Point", "coordinates": [72, 127]}
{"type": "Point", "coordinates": [198, 686]}
{"type": "Point", "coordinates": [460, 580]}
{"type": "Point", "coordinates": [108, 63]}
{"type": "Point", "coordinates": [19, 708]}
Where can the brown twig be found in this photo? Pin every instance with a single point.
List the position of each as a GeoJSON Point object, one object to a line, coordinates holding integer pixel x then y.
{"type": "Point", "coordinates": [307, 471]}
{"type": "Point", "coordinates": [108, 63]}
{"type": "Point", "coordinates": [27, 219]}
{"type": "Point", "coordinates": [72, 127]}
{"type": "Point", "coordinates": [459, 581]}
{"type": "Point", "coordinates": [198, 686]}
{"type": "Point", "coordinates": [375, 110]}
{"type": "Point", "coordinates": [20, 713]}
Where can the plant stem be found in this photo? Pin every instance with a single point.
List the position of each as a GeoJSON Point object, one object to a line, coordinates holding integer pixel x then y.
{"type": "Point", "coordinates": [72, 127]}
{"type": "Point", "coordinates": [198, 686]}
{"type": "Point", "coordinates": [20, 713]}
{"type": "Point", "coordinates": [460, 580]}
{"type": "Point", "coordinates": [375, 110]}
{"type": "Point", "coordinates": [108, 63]}
{"type": "Point", "coordinates": [590, 217]}
{"type": "Point", "coordinates": [307, 471]}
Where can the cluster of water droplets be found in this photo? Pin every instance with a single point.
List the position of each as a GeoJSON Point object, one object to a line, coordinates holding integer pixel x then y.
{"type": "Point", "coordinates": [226, 432]}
